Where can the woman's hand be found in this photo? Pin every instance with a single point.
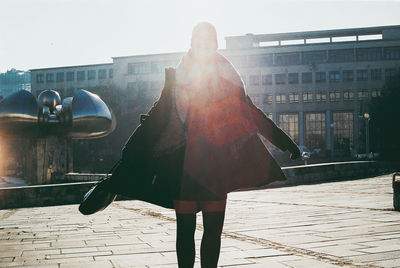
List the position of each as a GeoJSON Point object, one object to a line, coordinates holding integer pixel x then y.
{"type": "Point", "coordinates": [295, 153]}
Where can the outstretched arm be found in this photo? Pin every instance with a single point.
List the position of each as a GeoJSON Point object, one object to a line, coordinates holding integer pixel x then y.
{"type": "Point", "coordinates": [273, 133]}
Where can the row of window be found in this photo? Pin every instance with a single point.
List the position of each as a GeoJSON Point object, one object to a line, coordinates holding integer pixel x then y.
{"type": "Point", "coordinates": [70, 76]}
{"type": "Point", "coordinates": [321, 56]}
{"type": "Point", "coordinates": [145, 85]}
{"type": "Point", "coordinates": [149, 67]}
{"type": "Point", "coordinates": [340, 55]}
{"type": "Point", "coordinates": [321, 77]}
{"type": "Point", "coordinates": [308, 96]}
{"type": "Point", "coordinates": [315, 129]}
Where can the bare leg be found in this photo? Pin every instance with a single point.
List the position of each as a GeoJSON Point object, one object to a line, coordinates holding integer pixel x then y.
{"type": "Point", "coordinates": [185, 247]}
{"type": "Point", "coordinates": [213, 223]}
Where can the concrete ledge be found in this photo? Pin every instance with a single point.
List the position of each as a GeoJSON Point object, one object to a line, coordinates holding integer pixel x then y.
{"type": "Point", "coordinates": [329, 171]}
{"type": "Point", "coordinates": [72, 192]}
{"type": "Point", "coordinates": [79, 177]}
{"type": "Point", "coordinates": [43, 195]}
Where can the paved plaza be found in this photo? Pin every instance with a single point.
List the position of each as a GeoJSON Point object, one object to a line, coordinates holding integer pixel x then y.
{"type": "Point", "coordinates": [337, 224]}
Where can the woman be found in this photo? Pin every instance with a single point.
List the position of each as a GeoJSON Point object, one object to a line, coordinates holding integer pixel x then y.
{"type": "Point", "coordinates": [199, 142]}
{"type": "Point", "coordinates": [223, 151]}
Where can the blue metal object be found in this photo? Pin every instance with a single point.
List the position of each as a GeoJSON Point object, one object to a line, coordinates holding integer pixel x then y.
{"type": "Point", "coordinates": [90, 116]}
{"type": "Point", "coordinates": [19, 114]}
{"type": "Point", "coordinates": [85, 115]}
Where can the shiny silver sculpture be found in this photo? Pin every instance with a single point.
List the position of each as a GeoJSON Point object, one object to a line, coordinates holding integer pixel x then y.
{"type": "Point", "coordinates": [84, 115]}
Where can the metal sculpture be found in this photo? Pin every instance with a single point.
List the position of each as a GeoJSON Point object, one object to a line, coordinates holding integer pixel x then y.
{"type": "Point", "coordinates": [49, 124]}
{"type": "Point", "coordinates": [84, 115]}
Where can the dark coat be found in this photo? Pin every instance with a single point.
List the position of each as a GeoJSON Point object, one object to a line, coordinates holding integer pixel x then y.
{"type": "Point", "coordinates": [244, 162]}
{"type": "Point", "coordinates": [223, 149]}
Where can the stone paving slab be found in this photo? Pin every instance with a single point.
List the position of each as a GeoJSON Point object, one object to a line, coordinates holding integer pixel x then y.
{"type": "Point", "coordinates": [338, 224]}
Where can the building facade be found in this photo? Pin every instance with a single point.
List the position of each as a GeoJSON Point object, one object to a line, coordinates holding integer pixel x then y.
{"type": "Point", "coordinates": [14, 80]}
{"type": "Point", "coordinates": [315, 85]}
{"type": "Point", "coordinates": [66, 80]}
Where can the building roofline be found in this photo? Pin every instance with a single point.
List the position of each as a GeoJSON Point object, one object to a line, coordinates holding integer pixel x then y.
{"type": "Point", "coordinates": [72, 66]}
{"type": "Point", "coordinates": [146, 55]}
{"type": "Point", "coordinates": [317, 34]}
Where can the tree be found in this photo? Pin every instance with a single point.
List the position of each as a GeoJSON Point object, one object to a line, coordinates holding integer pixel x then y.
{"type": "Point", "coordinates": [99, 155]}
{"type": "Point", "coordinates": [385, 120]}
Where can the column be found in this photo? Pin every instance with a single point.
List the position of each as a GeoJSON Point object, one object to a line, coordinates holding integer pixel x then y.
{"type": "Point", "coordinates": [329, 130]}
{"type": "Point", "coordinates": [301, 129]}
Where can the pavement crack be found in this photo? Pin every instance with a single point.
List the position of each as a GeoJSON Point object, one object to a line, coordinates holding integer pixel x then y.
{"type": "Point", "coordinates": [297, 251]}
{"type": "Point", "coordinates": [310, 205]}
{"type": "Point", "coordinates": [7, 214]}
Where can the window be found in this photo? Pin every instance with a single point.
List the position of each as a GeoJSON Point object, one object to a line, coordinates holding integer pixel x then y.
{"type": "Point", "coordinates": [363, 94]}
{"type": "Point", "coordinates": [138, 86]}
{"type": "Point", "coordinates": [39, 78]}
{"type": "Point", "coordinates": [306, 77]}
{"type": "Point", "coordinates": [155, 85]}
{"type": "Point", "coordinates": [287, 58]}
{"type": "Point", "coordinates": [375, 93]}
{"type": "Point", "coordinates": [156, 67]}
{"type": "Point", "coordinates": [320, 77]}
{"type": "Point", "coordinates": [390, 73]}
{"type": "Point", "coordinates": [392, 53]}
{"type": "Point", "coordinates": [257, 99]}
{"type": "Point", "coordinates": [80, 75]}
{"type": "Point", "coordinates": [290, 124]}
{"type": "Point", "coordinates": [367, 54]}
{"type": "Point", "coordinates": [280, 98]}
{"type": "Point", "coordinates": [341, 55]}
{"type": "Point", "coordinates": [268, 99]}
{"type": "Point", "coordinates": [266, 60]}
{"type": "Point", "coordinates": [59, 77]}
{"type": "Point", "coordinates": [342, 131]}
{"type": "Point", "coordinates": [110, 73]}
{"type": "Point", "coordinates": [348, 95]}
{"type": "Point", "coordinates": [293, 78]}
{"type": "Point", "coordinates": [91, 74]}
{"type": "Point", "coordinates": [254, 80]}
{"type": "Point", "coordinates": [254, 61]}
{"type": "Point", "coordinates": [70, 92]}
{"type": "Point", "coordinates": [280, 79]}
{"type": "Point", "coordinates": [334, 76]}
{"type": "Point", "coordinates": [314, 57]}
{"type": "Point", "coordinates": [61, 92]}
{"type": "Point", "coordinates": [293, 97]}
{"type": "Point", "coordinates": [49, 78]}
{"type": "Point", "coordinates": [267, 79]}
{"type": "Point", "coordinates": [239, 61]}
{"type": "Point", "coordinates": [334, 96]}
{"type": "Point", "coordinates": [320, 96]}
{"type": "Point", "coordinates": [102, 74]}
{"type": "Point", "coordinates": [362, 75]}
{"type": "Point", "coordinates": [348, 75]}
{"type": "Point", "coordinates": [70, 76]}
{"type": "Point", "coordinates": [315, 130]}
{"type": "Point", "coordinates": [139, 68]}
{"type": "Point", "coordinates": [131, 85]}
{"type": "Point", "coordinates": [307, 96]}
{"type": "Point", "coordinates": [376, 74]}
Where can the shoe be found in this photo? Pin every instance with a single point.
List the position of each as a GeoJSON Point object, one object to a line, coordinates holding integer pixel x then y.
{"type": "Point", "coordinates": [97, 198]}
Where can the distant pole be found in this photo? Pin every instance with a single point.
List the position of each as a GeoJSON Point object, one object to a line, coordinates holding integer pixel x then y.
{"type": "Point", "coordinates": [367, 117]}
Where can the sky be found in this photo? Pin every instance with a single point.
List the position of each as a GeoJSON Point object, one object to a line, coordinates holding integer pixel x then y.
{"type": "Point", "coordinates": [52, 33]}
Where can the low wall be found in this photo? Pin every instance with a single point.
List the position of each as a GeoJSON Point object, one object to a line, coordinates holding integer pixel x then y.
{"type": "Point", "coordinates": [80, 177]}
{"type": "Point", "coordinates": [330, 171]}
{"type": "Point", "coordinates": [43, 195]}
{"type": "Point", "coordinates": [72, 192]}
